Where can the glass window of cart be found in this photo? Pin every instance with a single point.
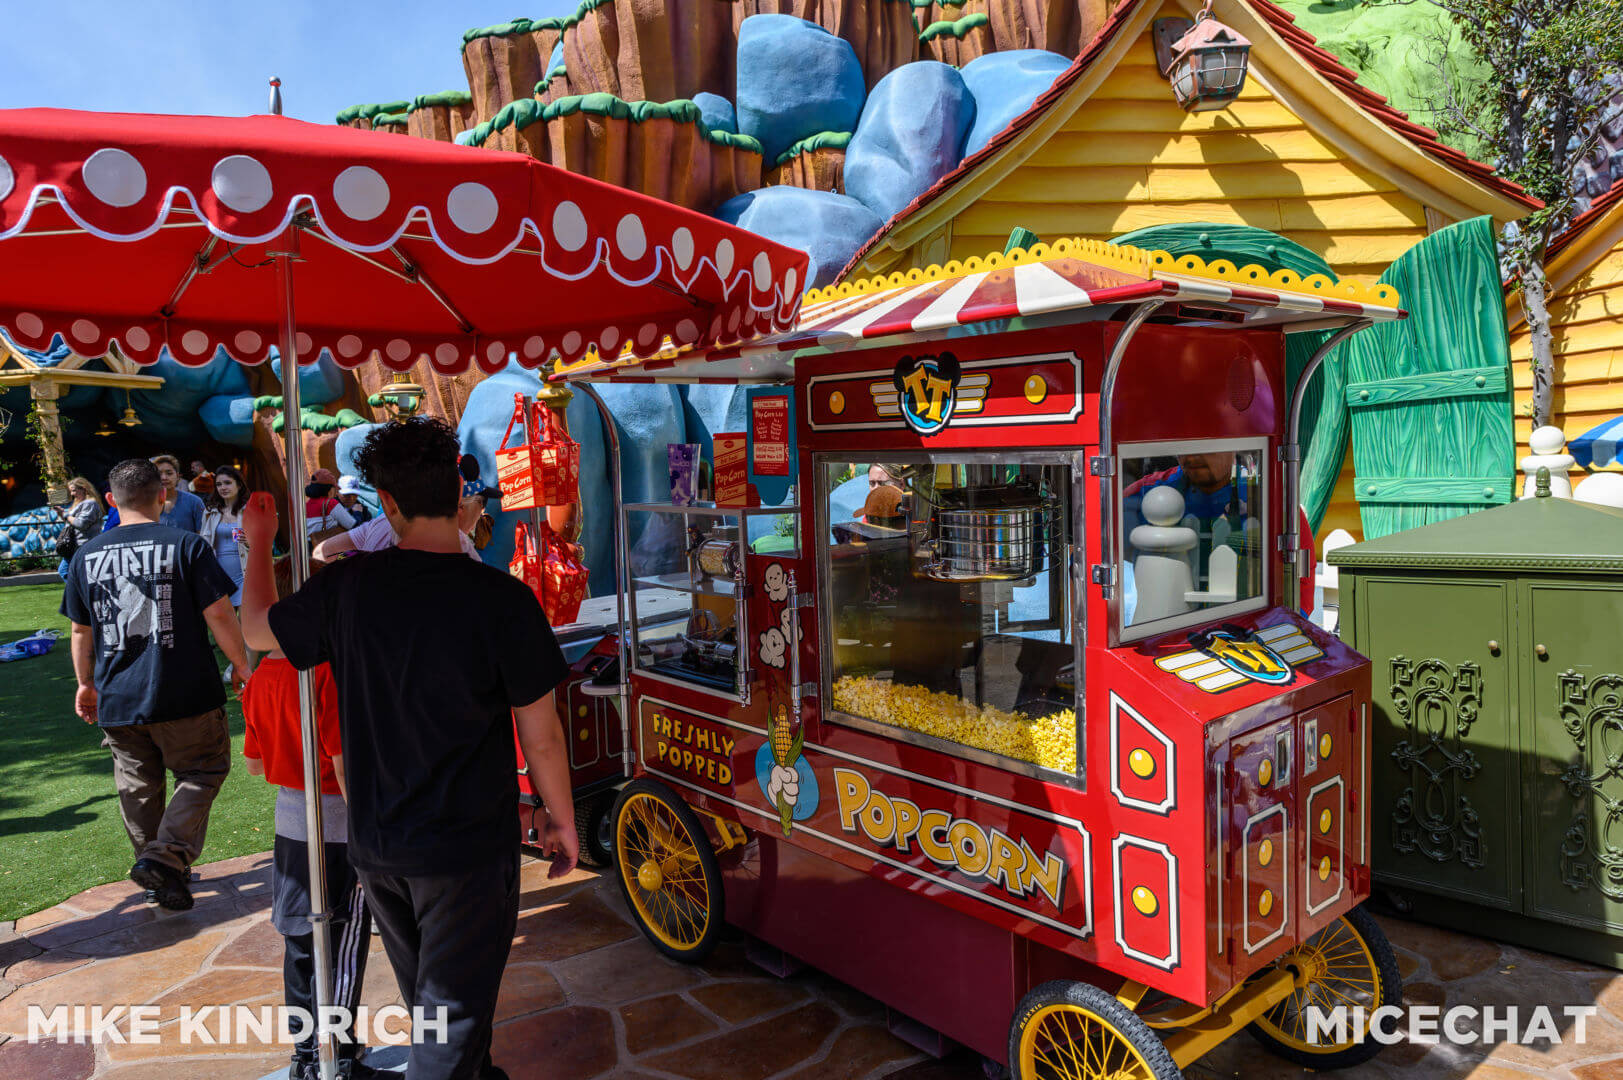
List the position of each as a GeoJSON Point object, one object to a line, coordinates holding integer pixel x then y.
{"type": "Point", "coordinates": [1192, 534]}
{"type": "Point", "coordinates": [946, 586]}
{"type": "Point", "coordinates": [686, 570]}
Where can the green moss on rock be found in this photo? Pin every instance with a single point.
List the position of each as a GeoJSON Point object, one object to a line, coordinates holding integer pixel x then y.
{"type": "Point", "coordinates": [823, 140]}
{"type": "Point", "coordinates": [515, 26]}
{"type": "Point", "coordinates": [448, 98]}
{"type": "Point", "coordinates": [370, 112]}
{"type": "Point", "coordinates": [958, 29]}
{"type": "Point", "coordinates": [521, 114]}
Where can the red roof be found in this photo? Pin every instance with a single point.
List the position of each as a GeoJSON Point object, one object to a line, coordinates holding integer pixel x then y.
{"type": "Point", "coordinates": [1597, 210]}
{"type": "Point", "coordinates": [1303, 43]}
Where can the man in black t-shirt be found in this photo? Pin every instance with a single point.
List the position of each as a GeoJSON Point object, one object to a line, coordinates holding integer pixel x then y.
{"type": "Point", "coordinates": [436, 657]}
{"type": "Point", "coordinates": [139, 597]}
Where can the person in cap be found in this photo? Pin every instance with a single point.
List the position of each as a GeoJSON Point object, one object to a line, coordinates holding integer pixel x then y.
{"type": "Point", "coordinates": [324, 515]}
{"type": "Point", "coordinates": [349, 496]}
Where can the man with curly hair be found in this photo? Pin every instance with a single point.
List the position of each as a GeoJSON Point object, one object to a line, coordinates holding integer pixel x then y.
{"type": "Point", "coordinates": [435, 657]}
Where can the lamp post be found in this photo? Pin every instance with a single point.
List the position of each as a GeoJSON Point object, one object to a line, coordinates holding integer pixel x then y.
{"type": "Point", "coordinates": [1205, 61]}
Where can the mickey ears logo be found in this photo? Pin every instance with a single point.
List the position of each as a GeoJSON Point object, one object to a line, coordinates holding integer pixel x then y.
{"type": "Point", "coordinates": [927, 389]}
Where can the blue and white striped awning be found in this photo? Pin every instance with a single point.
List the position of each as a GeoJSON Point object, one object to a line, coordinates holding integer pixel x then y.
{"type": "Point", "coordinates": [1597, 447]}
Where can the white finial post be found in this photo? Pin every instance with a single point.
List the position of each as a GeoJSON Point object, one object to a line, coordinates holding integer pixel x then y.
{"type": "Point", "coordinates": [276, 96]}
{"type": "Point", "coordinates": [1546, 443]}
{"type": "Point", "coordinates": [1161, 572]}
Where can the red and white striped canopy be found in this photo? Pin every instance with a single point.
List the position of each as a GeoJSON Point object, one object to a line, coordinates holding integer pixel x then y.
{"type": "Point", "coordinates": [157, 231]}
{"type": "Point", "coordinates": [1071, 275]}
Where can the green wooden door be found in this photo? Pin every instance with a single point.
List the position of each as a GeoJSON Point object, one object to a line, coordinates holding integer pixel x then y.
{"type": "Point", "coordinates": [1443, 756]}
{"type": "Point", "coordinates": [1429, 397]}
{"type": "Point", "coordinates": [1575, 760]}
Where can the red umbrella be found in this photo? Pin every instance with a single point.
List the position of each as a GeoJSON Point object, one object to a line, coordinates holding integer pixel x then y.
{"type": "Point", "coordinates": [197, 233]}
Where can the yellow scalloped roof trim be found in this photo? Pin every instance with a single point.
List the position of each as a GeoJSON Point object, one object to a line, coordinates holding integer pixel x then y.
{"type": "Point", "coordinates": [1222, 270]}
{"type": "Point", "coordinates": [1129, 260]}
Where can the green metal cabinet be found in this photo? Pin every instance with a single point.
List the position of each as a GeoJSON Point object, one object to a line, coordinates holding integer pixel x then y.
{"type": "Point", "coordinates": [1496, 796]}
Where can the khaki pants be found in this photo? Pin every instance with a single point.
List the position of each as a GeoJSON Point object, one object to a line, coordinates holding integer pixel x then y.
{"type": "Point", "coordinates": [198, 751]}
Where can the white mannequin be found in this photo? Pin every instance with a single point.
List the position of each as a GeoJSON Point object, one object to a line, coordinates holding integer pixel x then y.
{"type": "Point", "coordinates": [1161, 571]}
{"type": "Point", "coordinates": [1546, 443]}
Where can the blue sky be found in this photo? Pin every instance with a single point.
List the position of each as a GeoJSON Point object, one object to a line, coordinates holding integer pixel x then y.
{"type": "Point", "coordinates": [191, 56]}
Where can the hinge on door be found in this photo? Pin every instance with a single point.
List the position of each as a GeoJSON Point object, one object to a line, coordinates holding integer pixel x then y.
{"type": "Point", "coordinates": [1288, 452]}
{"type": "Point", "coordinates": [1102, 465]}
{"type": "Point", "coordinates": [1104, 574]}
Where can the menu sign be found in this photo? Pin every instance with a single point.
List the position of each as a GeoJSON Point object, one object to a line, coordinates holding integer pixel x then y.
{"type": "Point", "coordinates": [769, 428]}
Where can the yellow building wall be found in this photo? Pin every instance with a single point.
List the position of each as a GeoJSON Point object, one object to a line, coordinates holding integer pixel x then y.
{"type": "Point", "coordinates": [1130, 157]}
{"type": "Point", "coordinates": [1586, 320]}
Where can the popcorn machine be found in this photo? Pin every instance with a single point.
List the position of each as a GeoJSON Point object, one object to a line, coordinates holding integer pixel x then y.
{"type": "Point", "coordinates": [1023, 733]}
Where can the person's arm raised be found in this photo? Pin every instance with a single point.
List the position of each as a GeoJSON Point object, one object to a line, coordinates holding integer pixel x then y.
{"type": "Point", "coordinates": [541, 737]}
{"type": "Point", "coordinates": [258, 573]}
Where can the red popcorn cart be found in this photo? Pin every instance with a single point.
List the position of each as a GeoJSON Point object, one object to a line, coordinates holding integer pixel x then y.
{"type": "Point", "coordinates": [1001, 706]}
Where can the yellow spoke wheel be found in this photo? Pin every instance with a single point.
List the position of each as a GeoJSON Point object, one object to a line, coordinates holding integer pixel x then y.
{"type": "Point", "coordinates": [1067, 1030]}
{"type": "Point", "coordinates": [667, 871]}
{"type": "Point", "coordinates": [1347, 965]}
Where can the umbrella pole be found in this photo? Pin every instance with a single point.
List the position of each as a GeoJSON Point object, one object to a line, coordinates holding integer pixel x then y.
{"type": "Point", "coordinates": [299, 546]}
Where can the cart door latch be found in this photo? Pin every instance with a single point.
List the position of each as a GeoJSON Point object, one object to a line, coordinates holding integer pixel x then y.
{"type": "Point", "coordinates": [1101, 465]}
{"type": "Point", "coordinates": [1104, 574]}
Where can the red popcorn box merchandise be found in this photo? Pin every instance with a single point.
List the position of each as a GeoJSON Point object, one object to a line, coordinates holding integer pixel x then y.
{"type": "Point", "coordinates": [730, 452]}
{"type": "Point", "coordinates": [544, 469]}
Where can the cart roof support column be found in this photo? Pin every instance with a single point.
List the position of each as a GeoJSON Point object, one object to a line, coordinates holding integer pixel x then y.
{"type": "Point", "coordinates": [1104, 466]}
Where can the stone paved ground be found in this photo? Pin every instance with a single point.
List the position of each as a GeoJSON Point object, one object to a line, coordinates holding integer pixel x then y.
{"type": "Point", "coordinates": [586, 998]}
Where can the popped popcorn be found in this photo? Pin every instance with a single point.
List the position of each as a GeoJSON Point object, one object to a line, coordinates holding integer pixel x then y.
{"type": "Point", "coordinates": [1049, 741]}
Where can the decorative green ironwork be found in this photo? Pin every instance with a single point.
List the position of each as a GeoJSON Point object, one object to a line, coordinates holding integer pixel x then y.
{"type": "Point", "coordinates": [1438, 705]}
{"type": "Point", "coordinates": [1592, 713]}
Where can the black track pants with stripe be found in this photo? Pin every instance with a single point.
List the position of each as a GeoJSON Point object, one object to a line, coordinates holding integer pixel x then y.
{"type": "Point", "coordinates": [351, 936]}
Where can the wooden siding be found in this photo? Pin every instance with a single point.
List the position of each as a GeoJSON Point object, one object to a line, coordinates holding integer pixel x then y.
{"type": "Point", "coordinates": [1130, 158]}
{"type": "Point", "coordinates": [1586, 318]}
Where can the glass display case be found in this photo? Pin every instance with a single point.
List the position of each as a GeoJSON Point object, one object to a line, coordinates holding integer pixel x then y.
{"type": "Point", "coordinates": [947, 595]}
{"type": "Point", "coordinates": [1192, 534]}
{"type": "Point", "coordinates": [695, 554]}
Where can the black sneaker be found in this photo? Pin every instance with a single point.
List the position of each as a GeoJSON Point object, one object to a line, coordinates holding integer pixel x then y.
{"type": "Point", "coordinates": [150, 897]}
{"type": "Point", "coordinates": [168, 885]}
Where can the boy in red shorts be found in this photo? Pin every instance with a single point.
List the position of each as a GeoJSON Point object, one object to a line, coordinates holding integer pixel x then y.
{"type": "Point", "coordinates": [274, 749]}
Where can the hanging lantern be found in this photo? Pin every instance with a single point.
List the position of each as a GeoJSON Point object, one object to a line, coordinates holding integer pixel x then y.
{"type": "Point", "coordinates": [1207, 64]}
{"type": "Point", "coordinates": [129, 419]}
{"type": "Point", "coordinates": [402, 396]}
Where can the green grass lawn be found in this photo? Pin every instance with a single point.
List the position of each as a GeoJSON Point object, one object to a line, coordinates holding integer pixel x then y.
{"type": "Point", "coordinates": [60, 831]}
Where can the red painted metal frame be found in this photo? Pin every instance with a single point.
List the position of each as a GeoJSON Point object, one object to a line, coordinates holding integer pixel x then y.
{"type": "Point", "coordinates": [882, 884]}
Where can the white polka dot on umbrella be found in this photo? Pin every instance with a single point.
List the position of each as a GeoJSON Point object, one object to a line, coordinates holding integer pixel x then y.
{"type": "Point", "coordinates": [533, 347]}
{"type": "Point", "coordinates": [630, 238]}
{"type": "Point", "coordinates": [397, 350]}
{"type": "Point", "coordinates": [194, 342]}
{"type": "Point", "coordinates": [138, 339]}
{"type": "Point", "coordinates": [361, 192]}
{"type": "Point", "coordinates": [241, 183]}
{"type": "Point", "coordinates": [248, 342]}
{"type": "Point", "coordinates": [569, 226]}
{"type": "Point", "coordinates": [115, 177]}
{"type": "Point", "coordinates": [84, 331]}
{"type": "Point", "coordinates": [682, 248]}
{"type": "Point", "coordinates": [472, 207]}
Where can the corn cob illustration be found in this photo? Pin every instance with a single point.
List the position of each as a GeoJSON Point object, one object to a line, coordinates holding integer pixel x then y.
{"type": "Point", "coordinates": [786, 745]}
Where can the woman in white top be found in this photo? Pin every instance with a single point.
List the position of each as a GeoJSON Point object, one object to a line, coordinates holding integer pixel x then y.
{"type": "Point", "coordinates": [222, 523]}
